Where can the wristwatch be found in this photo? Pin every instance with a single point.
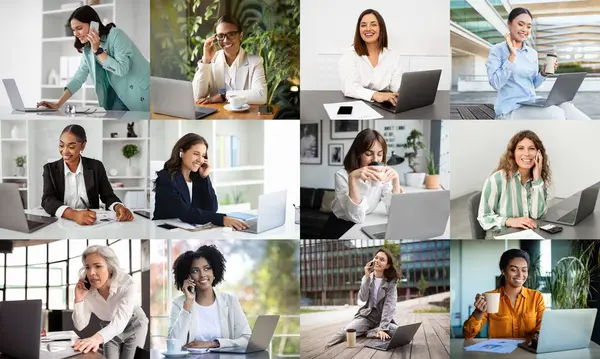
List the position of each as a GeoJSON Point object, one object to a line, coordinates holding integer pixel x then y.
{"type": "Point", "coordinates": [99, 51]}
{"type": "Point", "coordinates": [223, 92]}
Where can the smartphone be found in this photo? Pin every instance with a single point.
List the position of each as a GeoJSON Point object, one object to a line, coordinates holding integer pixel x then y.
{"type": "Point", "coordinates": [265, 110]}
{"type": "Point", "coordinates": [87, 283]}
{"type": "Point", "coordinates": [537, 156]}
{"type": "Point", "coordinates": [551, 228]}
{"type": "Point", "coordinates": [345, 110]}
{"type": "Point", "coordinates": [166, 226]}
{"type": "Point", "coordinates": [95, 25]}
{"type": "Point", "coordinates": [191, 288]}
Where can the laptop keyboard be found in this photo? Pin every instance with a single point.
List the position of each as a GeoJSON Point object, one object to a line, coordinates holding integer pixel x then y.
{"type": "Point", "coordinates": [381, 345]}
{"type": "Point", "coordinates": [569, 217]}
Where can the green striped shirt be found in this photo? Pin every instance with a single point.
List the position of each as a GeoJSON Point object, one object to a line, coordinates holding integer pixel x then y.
{"type": "Point", "coordinates": [502, 199]}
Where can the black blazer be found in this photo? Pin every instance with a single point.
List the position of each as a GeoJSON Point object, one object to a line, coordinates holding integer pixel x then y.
{"type": "Point", "coordinates": [173, 199]}
{"type": "Point", "coordinates": [96, 185]}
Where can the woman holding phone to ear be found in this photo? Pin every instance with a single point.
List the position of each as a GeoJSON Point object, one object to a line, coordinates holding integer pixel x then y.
{"type": "Point", "coordinates": [119, 71]}
{"type": "Point", "coordinates": [183, 187]}
{"type": "Point", "coordinates": [359, 186]}
{"type": "Point", "coordinates": [369, 70]}
{"type": "Point", "coordinates": [112, 298]}
{"type": "Point", "coordinates": [516, 193]}
{"type": "Point", "coordinates": [74, 184]}
{"type": "Point", "coordinates": [520, 310]}
{"type": "Point", "coordinates": [230, 71]}
{"type": "Point", "coordinates": [512, 69]}
{"type": "Point", "coordinates": [202, 317]}
{"type": "Point", "coordinates": [378, 290]}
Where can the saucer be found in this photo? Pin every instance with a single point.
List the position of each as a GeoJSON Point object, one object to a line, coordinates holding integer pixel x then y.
{"type": "Point", "coordinates": [245, 107]}
{"type": "Point", "coordinates": [180, 353]}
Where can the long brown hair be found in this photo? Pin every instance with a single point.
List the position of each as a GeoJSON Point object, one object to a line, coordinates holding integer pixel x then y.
{"type": "Point", "coordinates": [87, 14]}
{"type": "Point", "coordinates": [359, 44]}
{"type": "Point", "coordinates": [361, 144]}
{"type": "Point", "coordinates": [173, 164]}
{"type": "Point", "coordinates": [391, 273]}
{"type": "Point", "coordinates": [507, 160]}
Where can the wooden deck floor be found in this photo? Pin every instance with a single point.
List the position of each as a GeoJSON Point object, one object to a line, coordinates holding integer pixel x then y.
{"type": "Point", "coordinates": [472, 112]}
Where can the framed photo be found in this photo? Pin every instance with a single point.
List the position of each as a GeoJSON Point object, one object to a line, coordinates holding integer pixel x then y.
{"type": "Point", "coordinates": [311, 143]}
{"type": "Point", "coordinates": [345, 129]}
{"type": "Point", "coordinates": [336, 154]}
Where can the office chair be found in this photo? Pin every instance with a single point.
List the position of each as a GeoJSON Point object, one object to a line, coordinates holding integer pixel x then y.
{"type": "Point", "coordinates": [473, 206]}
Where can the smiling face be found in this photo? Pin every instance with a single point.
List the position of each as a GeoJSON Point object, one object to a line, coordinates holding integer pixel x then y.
{"type": "Point", "coordinates": [80, 30]}
{"type": "Point", "coordinates": [373, 154]}
{"type": "Point", "coordinates": [96, 270]}
{"type": "Point", "coordinates": [369, 29]}
{"type": "Point", "coordinates": [229, 38]}
{"type": "Point", "coordinates": [520, 27]}
{"type": "Point", "coordinates": [70, 148]}
{"type": "Point", "coordinates": [194, 157]}
{"type": "Point", "coordinates": [525, 153]}
{"type": "Point", "coordinates": [516, 272]}
{"type": "Point", "coordinates": [202, 274]}
{"type": "Point", "coordinates": [380, 262]}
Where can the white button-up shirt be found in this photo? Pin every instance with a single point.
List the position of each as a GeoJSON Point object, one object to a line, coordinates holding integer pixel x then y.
{"type": "Point", "coordinates": [361, 80]}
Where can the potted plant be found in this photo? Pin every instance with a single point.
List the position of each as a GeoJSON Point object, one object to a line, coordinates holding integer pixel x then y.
{"type": "Point", "coordinates": [234, 202]}
{"type": "Point", "coordinates": [20, 170]}
{"type": "Point", "coordinates": [432, 179]}
{"type": "Point", "coordinates": [413, 142]}
{"type": "Point", "coordinates": [129, 151]}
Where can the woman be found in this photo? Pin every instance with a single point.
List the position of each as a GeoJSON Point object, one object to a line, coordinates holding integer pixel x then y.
{"type": "Point", "coordinates": [119, 71]}
{"type": "Point", "coordinates": [73, 184]}
{"type": "Point", "coordinates": [512, 69]}
{"type": "Point", "coordinates": [183, 188]}
{"type": "Point", "coordinates": [112, 298]}
{"type": "Point", "coordinates": [230, 71]}
{"type": "Point", "coordinates": [200, 317]}
{"type": "Point", "coordinates": [359, 187]}
{"type": "Point", "coordinates": [516, 193]}
{"type": "Point", "coordinates": [369, 70]}
{"type": "Point", "coordinates": [378, 290]}
{"type": "Point", "coordinates": [520, 311]}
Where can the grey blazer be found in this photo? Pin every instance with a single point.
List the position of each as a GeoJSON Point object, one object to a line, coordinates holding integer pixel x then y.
{"type": "Point", "coordinates": [387, 298]}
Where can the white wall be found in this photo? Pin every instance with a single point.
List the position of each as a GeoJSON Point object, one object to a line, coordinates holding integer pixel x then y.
{"type": "Point", "coordinates": [417, 29]}
{"type": "Point", "coordinates": [321, 176]}
{"type": "Point", "coordinates": [21, 29]}
{"type": "Point", "coordinates": [572, 148]}
{"type": "Point", "coordinates": [470, 65]}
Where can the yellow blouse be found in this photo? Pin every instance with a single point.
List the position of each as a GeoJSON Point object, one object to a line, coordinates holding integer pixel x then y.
{"type": "Point", "coordinates": [522, 321]}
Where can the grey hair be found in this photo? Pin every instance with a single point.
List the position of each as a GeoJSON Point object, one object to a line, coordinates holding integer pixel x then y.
{"type": "Point", "coordinates": [112, 261]}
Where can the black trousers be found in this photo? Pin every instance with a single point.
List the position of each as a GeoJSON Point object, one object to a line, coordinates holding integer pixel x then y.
{"type": "Point", "coordinates": [334, 228]}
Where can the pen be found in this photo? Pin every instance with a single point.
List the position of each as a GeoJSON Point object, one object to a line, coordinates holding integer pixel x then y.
{"type": "Point", "coordinates": [84, 203]}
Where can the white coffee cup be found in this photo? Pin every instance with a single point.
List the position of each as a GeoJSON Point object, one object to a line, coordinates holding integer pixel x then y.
{"type": "Point", "coordinates": [380, 167]}
{"type": "Point", "coordinates": [237, 102]}
{"type": "Point", "coordinates": [551, 60]}
{"type": "Point", "coordinates": [493, 302]}
{"type": "Point", "coordinates": [173, 345]}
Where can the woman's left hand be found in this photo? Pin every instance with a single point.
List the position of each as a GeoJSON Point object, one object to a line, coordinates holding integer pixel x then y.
{"type": "Point", "coordinates": [201, 344]}
{"type": "Point", "coordinates": [537, 168]}
{"type": "Point", "coordinates": [382, 335]}
{"type": "Point", "coordinates": [544, 73]}
{"type": "Point", "coordinates": [94, 40]}
{"type": "Point", "coordinates": [123, 213]}
{"type": "Point", "coordinates": [88, 344]}
{"type": "Point", "coordinates": [204, 169]}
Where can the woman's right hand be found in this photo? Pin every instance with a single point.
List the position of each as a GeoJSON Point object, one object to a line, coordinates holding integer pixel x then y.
{"type": "Point", "coordinates": [47, 104]}
{"type": "Point", "coordinates": [512, 45]}
{"type": "Point", "coordinates": [367, 173]}
{"type": "Point", "coordinates": [80, 291]}
{"type": "Point", "coordinates": [480, 306]}
{"type": "Point", "coordinates": [385, 96]}
{"type": "Point", "coordinates": [368, 268]}
{"type": "Point", "coordinates": [236, 224]}
{"type": "Point", "coordinates": [521, 222]}
{"type": "Point", "coordinates": [209, 49]}
{"type": "Point", "coordinates": [85, 217]}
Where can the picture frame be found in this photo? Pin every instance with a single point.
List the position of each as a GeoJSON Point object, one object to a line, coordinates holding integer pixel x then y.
{"type": "Point", "coordinates": [336, 154]}
{"type": "Point", "coordinates": [311, 143]}
{"type": "Point", "coordinates": [345, 129]}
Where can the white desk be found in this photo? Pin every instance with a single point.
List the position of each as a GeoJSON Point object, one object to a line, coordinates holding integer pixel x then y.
{"type": "Point", "coordinates": [379, 216]}
{"type": "Point", "coordinates": [7, 113]}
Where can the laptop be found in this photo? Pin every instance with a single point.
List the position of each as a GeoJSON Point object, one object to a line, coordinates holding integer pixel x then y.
{"type": "Point", "coordinates": [15, 98]}
{"type": "Point", "coordinates": [271, 212]}
{"type": "Point", "coordinates": [564, 90]}
{"type": "Point", "coordinates": [418, 215]}
{"type": "Point", "coordinates": [402, 336]}
{"type": "Point", "coordinates": [263, 331]}
{"type": "Point", "coordinates": [574, 209]}
{"type": "Point", "coordinates": [20, 328]}
{"type": "Point", "coordinates": [555, 336]}
{"type": "Point", "coordinates": [417, 89]}
{"type": "Point", "coordinates": [12, 213]}
{"type": "Point", "coordinates": [175, 98]}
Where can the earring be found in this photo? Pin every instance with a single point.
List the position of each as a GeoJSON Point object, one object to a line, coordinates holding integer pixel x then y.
{"type": "Point", "coordinates": [180, 154]}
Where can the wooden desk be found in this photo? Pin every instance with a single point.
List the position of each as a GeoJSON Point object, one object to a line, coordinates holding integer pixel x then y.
{"type": "Point", "coordinates": [223, 114]}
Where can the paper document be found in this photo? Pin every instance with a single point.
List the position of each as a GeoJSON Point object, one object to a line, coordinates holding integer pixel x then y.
{"type": "Point", "coordinates": [197, 350]}
{"type": "Point", "coordinates": [56, 336]}
{"type": "Point", "coordinates": [500, 346]}
{"type": "Point", "coordinates": [189, 226]}
{"type": "Point", "coordinates": [526, 234]}
{"type": "Point", "coordinates": [360, 111]}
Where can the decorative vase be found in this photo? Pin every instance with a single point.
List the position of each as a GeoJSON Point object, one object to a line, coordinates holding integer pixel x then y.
{"type": "Point", "coordinates": [129, 171]}
{"type": "Point", "coordinates": [20, 171]}
{"type": "Point", "coordinates": [414, 179]}
{"type": "Point", "coordinates": [432, 181]}
{"type": "Point", "coordinates": [14, 133]}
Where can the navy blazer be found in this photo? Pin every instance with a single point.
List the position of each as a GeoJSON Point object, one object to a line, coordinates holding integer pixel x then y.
{"type": "Point", "coordinates": [96, 185]}
{"type": "Point", "coordinates": [173, 199]}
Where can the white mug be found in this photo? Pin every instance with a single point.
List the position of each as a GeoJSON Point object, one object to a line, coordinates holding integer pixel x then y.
{"type": "Point", "coordinates": [172, 345]}
{"type": "Point", "coordinates": [237, 102]}
{"type": "Point", "coordinates": [493, 302]}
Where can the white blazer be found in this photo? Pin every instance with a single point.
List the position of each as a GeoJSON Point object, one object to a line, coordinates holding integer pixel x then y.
{"type": "Point", "coordinates": [250, 81]}
{"type": "Point", "coordinates": [234, 325]}
{"type": "Point", "coordinates": [361, 80]}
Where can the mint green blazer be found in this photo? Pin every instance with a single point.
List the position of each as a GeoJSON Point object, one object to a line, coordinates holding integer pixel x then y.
{"type": "Point", "coordinates": [126, 70]}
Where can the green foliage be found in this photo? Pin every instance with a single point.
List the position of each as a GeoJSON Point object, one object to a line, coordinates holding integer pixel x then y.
{"type": "Point", "coordinates": [20, 161]}
{"type": "Point", "coordinates": [422, 285]}
{"type": "Point", "coordinates": [234, 197]}
{"type": "Point", "coordinates": [413, 142]}
{"type": "Point", "coordinates": [534, 273]}
{"type": "Point", "coordinates": [130, 150]}
{"type": "Point", "coordinates": [573, 67]}
{"type": "Point", "coordinates": [432, 169]}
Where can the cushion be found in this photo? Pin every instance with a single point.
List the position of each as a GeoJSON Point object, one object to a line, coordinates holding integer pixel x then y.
{"type": "Point", "coordinates": [328, 196]}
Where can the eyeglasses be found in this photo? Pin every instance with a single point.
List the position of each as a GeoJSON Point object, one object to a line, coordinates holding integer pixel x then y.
{"type": "Point", "coordinates": [230, 35]}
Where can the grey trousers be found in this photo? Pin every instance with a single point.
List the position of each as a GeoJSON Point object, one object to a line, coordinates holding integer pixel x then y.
{"type": "Point", "coordinates": [362, 326]}
{"type": "Point", "coordinates": [123, 345]}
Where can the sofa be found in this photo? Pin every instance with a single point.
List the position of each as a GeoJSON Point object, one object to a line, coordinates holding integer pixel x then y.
{"type": "Point", "coordinates": [315, 207]}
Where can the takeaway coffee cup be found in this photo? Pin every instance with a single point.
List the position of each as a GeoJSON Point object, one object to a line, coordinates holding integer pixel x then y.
{"type": "Point", "coordinates": [237, 102]}
{"type": "Point", "coordinates": [351, 338]}
{"type": "Point", "coordinates": [550, 62]}
{"type": "Point", "coordinates": [493, 302]}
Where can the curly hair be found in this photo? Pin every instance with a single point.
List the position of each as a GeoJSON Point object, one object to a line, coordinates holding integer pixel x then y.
{"type": "Point", "coordinates": [507, 160]}
{"type": "Point", "coordinates": [183, 264]}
